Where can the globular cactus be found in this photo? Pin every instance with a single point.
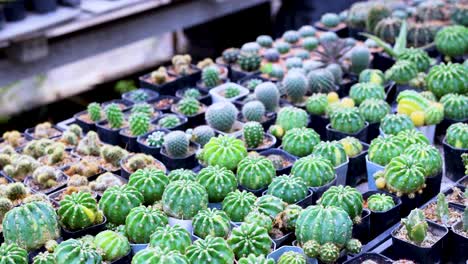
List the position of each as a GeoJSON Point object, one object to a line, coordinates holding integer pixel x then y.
{"type": "Point", "coordinates": [231, 55]}
{"type": "Point", "coordinates": [384, 149]}
{"type": "Point", "coordinates": [428, 155]}
{"type": "Point", "coordinates": [315, 171]}
{"type": "Point", "coordinates": [429, 11]}
{"type": "Point", "coordinates": [255, 172]}
{"type": "Point", "coordinates": [238, 204]}
{"type": "Point", "coordinates": [292, 117]}
{"type": "Point", "coordinates": [260, 219]}
{"type": "Point", "coordinates": [113, 244]}
{"type": "Point", "coordinates": [292, 257]}
{"type": "Point", "coordinates": [188, 106]}
{"type": "Point", "coordinates": [16, 191]}
{"type": "Point", "coordinates": [300, 141]}
{"type": "Point", "coordinates": [447, 78]}
{"type": "Point", "coordinates": [176, 144]}
{"type": "Point", "coordinates": [55, 153]}
{"type": "Point", "coordinates": [211, 222]}
{"type": "Point", "coordinates": [265, 41]}
{"type": "Point", "coordinates": [282, 47]}
{"type": "Point", "coordinates": [253, 259]}
{"type": "Point", "coordinates": [291, 36]}
{"type": "Point", "coordinates": [231, 92]}
{"type": "Point", "coordinates": [224, 151]}
{"type": "Point", "coordinates": [78, 211]}
{"type": "Point", "coordinates": [159, 76]}
{"type": "Point", "coordinates": [21, 166]}
{"type": "Point", "coordinates": [352, 146]}
{"type": "Point", "coordinates": [268, 94]}
{"type": "Point", "coordinates": [150, 183]}
{"type": "Point", "coordinates": [46, 176]}
{"type": "Point", "coordinates": [372, 76]}
{"type": "Point", "coordinates": [144, 108]}
{"type": "Point", "coordinates": [310, 43]}
{"type": "Point", "coordinates": [90, 145]}
{"type": "Point", "coordinates": [211, 76]}
{"type": "Point", "coordinates": [321, 81]}
{"type": "Point", "coordinates": [210, 250]}
{"type": "Point", "coordinates": [94, 112]}
{"type": "Point", "coordinates": [376, 13]}
{"type": "Point", "coordinates": [5, 206]}
{"type": "Point", "coordinates": [143, 221]}
{"type": "Point", "coordinates": [307, 31]}
{"type": "Point", "coordinates": [317, 104]}
{"type": "Point", "coordinates": [249, 61]}
{"type": "Point", "coordinates": [181, 64]}
{"type": "Point", "coordinates": [74, 251]}
{"type": "Point", "coordinates": [139, 123]}
{"type": "Point", "coordinates": [218, 182]}
{"type": "Point", "coordinates": [287, 219]}
{"type": "Point", "coordinates": [102, 183]}
{"type": "Point", "coordinates": [192, 93]}
{"type": "Point", "coordinates": [418, 56]}
{"type": "Point", "coordinates": [171, 238]}
{"type": "Point", "coordinates": [158, 255]}
{"type": "Point", "coordinates": [455, 106]}
{"type": "Point", "coordinates": [402, 72]}
{"type": "Point", "coordinates": [346, 198]}
{"type": "Point", "coordinates": [292, 63]}
{"type": "Point", "coordinates": [392, 124]}
{"type": "Point", "coordinates": [388, 29]}
{"type": "Point", "coordinates": [459, 14]}
{"type": "Point", "coordinates": [337, 72]}
{"type": "Point", "coordinates": [269, 205]}
{"type": "Point", "coordinates": [221, 116]}
{"type": "Point", "coordinates": [374, 110]}
{"type": "Point", "coordinates": [404, 175]}
{"type": "Point", "coordinates": [156, 139]}
{"type": "Point", "coordinates": [113, 154]}
{"type": "Point", "coordinates": [169, 121]}
{"type": "Point", "coordinates": [295, 84]}
{"type": "Point", "coordinates": [347, 120]}
{"type": "Point", "coordinates": [289, 189]}
{"type": "Point", "coordinates": [37, 148]}
{"type": "Point", "coordinates": [117, 202]}
{"type": "Point", "coordinates": [379, 202]}
{"type": "Point", "coordinates": [360, 59]}
{"type": "Point", "coordinates": [44, 258]}
{"type": "Point", "coordinates": [114, 116]}
{"type": "Point", "coordinates": [183, 199]}
{"type": "Point", "coordinates": [416, 226]}
{"type": "Point", "coordinates": [362, 91]}
{"type": "Point", "coordinates": [271, 55]}
{"type": "Point", "coordinates": [202, 134]}
{"type": "Point", "coordinates": [182, 174]}
{"type": "Point", "coordinates": [328, 38]}
{"type": "Point", "coordinates": [332, 151]}
{"type": "Point", "coordinates": [251, 47]}
{"type": "Point", "coordinates": [330, 20]}
{"type": "Point", "coordinates": [457, 135]}
{"type": "Point", "coordinates": [12, 253]}
{"type": "Point", "coordinates": [249, 239]}
{"type": "Point", "coordinates": [420, 34]}
{"type": "Point", "coordinates": [254, 111]}
{"type": "Point", "coordinates": [253, 134]}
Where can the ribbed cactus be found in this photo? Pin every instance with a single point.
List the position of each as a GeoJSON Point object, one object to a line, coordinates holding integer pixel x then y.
{"type": "Point", "coordinates": [118, 201]}
{"type": "Point", "coordinates": [352, 146]}
{"type": "Point", "coordinates": [211, 222]}
{"type": "Point", "coordinates": [169, 121]}
{"type": "Point", "coordinates": [300, 141]}
{"type": "Point", "coordinates": [221, 116]}
{"type": "Point", "coordinates": [416, 226]}
{"type": "Point", "coordinates": [259, 219]}
{"type": "Point", "coordinates": [253, 259]}
{"type": "Point", "coordinates": [79, 210]}
{"type": "Point", "coordinates": [332, 151]}
{"type": "Point", "coordinates": [202, 134]}
{"type": "Point", "coordinates": [282, 47]}
{"type": "Point", "coordinates": [419, 57]}
{"type": "Point", "coordinates": [447, 78]}
{"type": "Point", "coordinates": [114, 116]}
{"type": "Point", "coordinates": [384, 149]}
{"type": "Point", "coordinates": [238, 204]}
{"type": "Point", "coordinates": [289, 189]}
{"type": "Point", "coordinates": [295, 85]}
{"type": "Point", "coordinates": [210, 250]}
{"type": "Point", "coordinates": [347, 120]}
{"type": "Point", "coordinates": [249, 239]}
{"type": "Point", "coordinates": [457, 136]}
{"type": "Point", "coordinates": [16, 191]}
{"type": "Point", "coordinates": [404, 175]}
{"type": "Point", "coordinates": [307, 31]}
{"type": "Point", "coordinates": [315, 171]}
{"type": "Point", "coordinates": [292, 117]}
{"type": "Point", "coordinates": [189, 106]}
{"type": "Point", "coordinates": [442, 209]}
{"type": "Point", "coordinates": [372, 76]}
{"type": "Point", "coordinates": [158, 255]}
{"type": "Point", "coordinates": [392, 124]}
{"type": "Point", "coordinates": [218, 182]}
{"type": "Point", "coordinates": [317, 104]}
{"type": "Point", "coordinates": [114, 245]}
{"type": "Point", "coordinates": [171, 238]}
{"type": "Point", "coordinates": [362, 91]}
{"type": "Point", "coordinates": [211, 76]}
{"type": "Point", "coordinates": [144, 108]}
{"type": "Point", "coordinates": [12, 253]}
{"type": "Point", "coordinates": [310, 43]}
{"type": "Point", "coordinates": [192, 93]}
{"type": "Point", "coordinates": [255, 172]}
{"type": "Point", "coordinates": [360, 59]}
{"type": "Point", "coordinates": [139, 123]}
{"type": "Point", "coordinates": [251, 47]}
{"type": "Point", "coordinates": [376, 13]}
{"type": "Point", "coordinates": [420, 34]}
{"type": "Point", "coordinates": [265, 41]}
{"type": "Point", "coordinates": [150, 183]}
{"type": "Point", "coordinates": [379, 202]}
{"type": "Point", "coordinates": [452, 40]}
{"type": "Point", "coordinates": [269, 205]}
{"type": "Point", "coordinates": [43, 258]}
{"type": "Point", "coordinates": [231, 55]}
{"type": "Point", "coordinates": [176, 144]}
{"type": "Point", "coordinates": [402, 72]}
{"type": "Point", "coordinates": [253, 134]}
{"type": "Point", "coordinates": [330, 20]}
{"type": "Point", "coordinates": [292, 257]}
{"type": "Point", "coordinates": [224, 151]}
{"type": "Point", "coordinates": [455, 106]}
{"type": "Point", "coordinates": [337, 72]}
{"type": "Point", "coordinates": [74, 251]}
{"type": "Point", "coordinates": [268, 94]}
{"type": "Point", "coordinates": [94, 112]}
{"type": "Point", "coordinates": [182, 174]}
{"type": "Point", "coordinates": [374, 110]}
{"type": "Point", "coordinates": [183, 199]}
{"type": "Point", "coordinates": [388, 29]}
{"type": "Point", "coordinates": [428, 155]}
{"type": "Point", "coordinates": [346, 198]}
{"type": "Point", "coordinates": [142, 221]}
{"type": "Point", "coordinates": [321, 81]}
{"type": "Point", "coordinates": [253, 111]}
{"type": "Point", "coordinates": [249, 61]}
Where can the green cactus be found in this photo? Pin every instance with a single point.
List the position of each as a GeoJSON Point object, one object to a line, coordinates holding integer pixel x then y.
{"type": "Point", "coordinates": [144, 108]}
{"type": "Point", "coordinates": [379, 202]}
{"type": "Point", "coordinates": [218, 182]}
{"type": "Point", "coordinates": [457, 136]}
{"type": "Point", "coordinates": [255, 172]}
{"type": "Point", "coordinates": [210, 250]}
{"type": "Point", "coordinates": [182, 174]}
{"type": "Point", "coordinates": [169, 121]}
{"type": "Point", "coordinates": [251, 47]}
{"type": "Point", "coordinates": [332, 151]}
{"type": "Point", "coordinates": [139, 123]}
{"type": "Point", "coordinates": [292, 257]}
{"type": "Point", "coordinates": [428, 155]}
{"type": "Point", "coordinates": [114, 116]}
{"type": "Point", "coordinates": [291, 36]}
{"type": "Point", "coordinates": [224, 151]}
{"type": "Point", "coordinates": [459, 14]}
{"type": "Point", "coordinates": [260, 219]}
{"type": "Point", "coordinates": [360, 59]}
{"type": "Point", "coordinates": [183, 199]}
{"type": "Point", "coordinates": [211, 76]}
{"type": "Point", "coordinates": [465, 220]}
{"type": "Point", "coordinates": [253, 111]}
{"type": "Point", "coordinates": [73, 251]}
{"type": "Point", "coordinates": [231, 92]}
{"type": "Point", "coordinates": [289, 189]}
{"type": "Point", "coordinates": [211, 222]}
{"type": "Point", "coordinates": [159, 256]}
{"type": "Point", "coordinates": [402, 72]}
{"type": "Point", "coordinates": [452, 41]}
{"type": "Point", "coordinates": [392, 124]}
{"type": "Point", "coordinates": [372, 76]}
{"type": "Point", "coordinates": [307, 31]}
{"type": "Point", "coordinates": [337, 72]}
{"type": "Point", "coordinates": [139, 96]}
{"type": "Point", "coordinates": [221, 116]}
{"type": "Point", "coordinates": [282, 47]}
{"type": "Point", "coordinates": [374, 110]}
{"type": "Point", "coordinates": [346, 198]}
{"type": "Point", "coordinates": [270, 205]}
{"type": "Point", "coordinates": [268, 94]}
{"type": "Point", "coordinates": [327, 38]}
{"type": "Point", "coordinates": [249, 239]}
{"type": "Point", "coordinates": [253, 134]}
{"type": "Point", "coordinates": [114, 245]}
{"type": "Point", "coordinates": [419, 57]}
{"type": "Point", "coordinates": [150, 183]}
{"type": "Point", "coordinates": [362, 91]}
{"type": "Point", "coordinates": [78, 211]}
{"type": "Point", "coordinates": [176, 144]}
{"type": "Point", "coordinates": [314, 170]}
{"type": "Point", "coordinates": [202, 134]}
{"type": "Point", "coordinates": [429, 11]}
{"type": "Point", "coordinates": [16, 191]}
{"type": "Point", "coordinates": [94, 112]}
{"type": "Point", "coordinates": [156, 139]}
{"type": "Point", "coordinates": [44, 258]}
{"type": "Point", "coordinates": [455, 106]}
{"type": "Point", "coordinates": [352, 146]}
{"type": "Point", "coordinates": [118, 201]}
{"type": "Point", "coordinates": [46, 176]}
{"type": "Point", "coordinates": [142, 221]}
{"type": "Point", "coordinates": [442, 209]}
{"type": "Point", "coordinates": [171, 238]}
{"type": "Point", "coordinates": [292, 117]}
{"type": "Point", "coordinates": [412, 136]}
{"type": "Point", "coordinates": [253, 259]}
{"type": "Point", "coordinates": [357, 15]}
{"type": "Point", "coordinates": [265, 41]}
{"type": "Point", "coordinates": [192, 93]}
{"type": "Point", "coordinates": [420, 34]}
{"type": "Point", "coordinates": [295, 85]}
{"type": "Point", "coordinates": [249, 61]}
{"type": "Point", "coordinates": [300, 141]}
{"type": "Point", "coordinates": [347, 120]}
{"type": "Point", "coordinates": [231, 55]}
{"type": "Point", "coordinates": [376, 13]}
{"type": "Point", "coordinates": [388, 29]}
{"type": "Point", "coordinates": [317, 104]}
{"type": "Point", "coordinates": [404, 175]}
{"type": "Point", "coordinates": [311, 248]}
{"type": "Point", "coordinates": [321, 81]}
{"type": "Point", "coordinates": [12, 253]}
{"type": "Point", "coordinates": [310, 43]}
{"type": "Point", "coordinates": [447, 78]}
{"type": "Point", "coordinates": [416, 226]}
{"type": "Point", "coordinates": [383, 149]}
{"type": "Point", "coordinates": [330, 20]}
{"type": "Point", "coordinates": [188, 106]}
{"type": "Point", "coordinates": [238, 204]}
{"type": "Point", "coordinates": [5, 206]}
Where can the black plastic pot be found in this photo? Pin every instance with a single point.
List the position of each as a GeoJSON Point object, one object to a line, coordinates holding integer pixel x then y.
{"type": "Point", "coordinates": [262, 148]}
{"type": "Point", "coordinates": [396, 90]}
{"type": "Point", "coordinates": [408, 204]}
{"type": "Point", "coordinates": [124, 173]}
{"type": "Point", "coordinates": [454, 167]}
{"type": "Point", "coordinates": [308, 200]}
{"type": "Point", "coordinates": [193, 120]}
{"type": "Point", "coordinates": [390, 92]}
{"type": "Point", "coordinates": [357, 171]}
{"type": "Point", "coordinates": [275, 151]}
{"type": "Point", "coordinates": [382, 61]}
{"type": "Point", "coordinates": [349, 79]}
{"type": "Point", "coordinates": [441, 128]}
{"type": "Point", "coordinates": [44, 6]}
{"type": "Point", "coordinates": [130, 142]}
{"type": "Point", "coordinates": [167, 108]}
{"type": "Point", "coordinates": [356, 33]}
{"type": "Point", "coordinates": [361, 231]}
{"type": "Point", "coordinates": [333, 134]}
{"type": "Point", "coordinates": [153, 151]}
{"type": "Point", "coordinates": [92, 230]}
{"type": "Point", "coordinates": [70, 3]}
{"type": "Point", "coordinates": [188, 162]}
{"type": "Point", "coordinates": [406, 250]}
{"type": "Point", "coordinates": [432, 187]}
{"type": "Point", "coordinates": [171, 87]}
{"type": "Point", "coordinates": [29, 133]}
{"type": "Point", "coordinates": [381, 221]}
{"type": "Point", "coordinates": [204, 99]}
{"type": "Point", "coordinates": [2, 17]}
{"type": "Point", "coordinates": [377, 258]}
{"type": "Point", "coordinates": [372, 132]}
{"type": "Point", "coordinates": [270, 118]}
{"type": "Point", "coordinates": [85, 126]}
{"type": "Point", "coordinates": [181, 126]}
{"type": "Point", "coordinates": [14, 10]}
{"type": "Point", "coordinates": [458, 250]}
{"type": "Point", "coordinates": [151, 95]}
{"type": "Point", "coordinates": [257, 193]}
{"type": "Point", "coordinates": [318, 191]}
{"type": "Point", "coordinates": [125, 259]}
{"type": "Point", "coordinates": [108, 135]}
{"type": "Point", "coordinates": [319, 124]}
{"type": "Point", "coordinates": [236, 74]}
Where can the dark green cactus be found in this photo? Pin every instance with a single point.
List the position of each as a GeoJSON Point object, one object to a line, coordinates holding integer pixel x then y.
{"type": "Point", "coordinates": [416, 226]}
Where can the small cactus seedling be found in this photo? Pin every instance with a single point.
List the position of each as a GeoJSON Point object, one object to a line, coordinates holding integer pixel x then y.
{"type": "Point", "coordinates": [159, 76]}
{"type": "Point", "coordinates": [169, 121]}
{"type": "Point", "coordinates": [139, 123]}
{"type": "Point", "coordinates": [253, 134]}
{"type": "Point", "coordinates": [211, 76]}
{"type": "Point", "coordinates": [156, 139]}
{"type": "Point", "coordinates": [253, 111]}
{"type": "Point", "coordinates": [94, 112]}
{"type": "Point", "coordinates": [231, 92]}
{"type": "Point", "coordinates": [188, 106]}
{"type": "Point", "coordinates": [176, 144]}
{"type": "Point", "coordinates": [114, 116]}
{"type": "Point", "coordinates": [416, 226]}
{"type": "Point", "coordinates": [442, 209]}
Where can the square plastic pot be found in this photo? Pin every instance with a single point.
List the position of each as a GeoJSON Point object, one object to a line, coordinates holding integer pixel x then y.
{"type": "Point", "coordinates": [341, 172]}
{"type": "Point", "coordinates": [357, 171]}
{"type": "Point", "coordinates": [450, 191]}
{"type": "Point", "coordinates": [284, 239]}
{"type": "Point", "coordinates": [441, 128]}
{"type": "Point", "coordinates": [372, 168]}
{"type": "Point", "coordinates": [150, 93]}
{"type": "Point", "coordinates": [381, 221]}
{"type": "Point", "coordinates": [181, 126]}
{"type": "Point", "coordinates": [318, 191]}
{"type": "Point", "coordinates": [361, 230]}
{"type": "Point", "coordinates": [276, 255]}
{"type": "Point", "coordinates": [171, 87]}
{"type": "Point", "coordinates": [319, 124]}
{"type": "Point", "coordinates": [165, 109]}
{"type": "Point", "coordinates": [286, 155]}
{"type": "Point", "coordinates": [216, 97]}
{"type": "Point", "coordinates": [432, 187]}
{"type": "Point", "coordinates": [373, 131]}
{"type": "Point", "coordinates": [186, 224]}
{"type": "Point", "coordinates": [129, 142]}
{"type": "Point", "coordinates": [124, 173]}
{"type": "Point", "coordinates": [236, 74]}
{"type": "Point", "coordinates": [85, 126]}
{"type": "Point", "coordinates": [333, 134]}
{"type": "Point", "coordinates": [369, 256]}
{"type": "Point", "coordinates": [407, 250]}
{"type": "Point", "coordinates": [454, 167]}
{"type": "Point", "coordinates": [92, 230]}
{"type": "Point", "coordinates": [65, 124]}
{"type": "Point", "coordinates": [258, 76]}
{"type": "Point", "coordinates": [193, 120]}
{"type": "Point", "coordinates": [262, 148]}
{"type": "Point", "coordinates": [143, 147]}
{"type": "Point", "coordinates": [408, 204]}
{"type": "Point", "coordinates": [204, 99]}
{"type": "Point", "coordinates": [458, 252]}
{"type": "Point", "coordinates": [29, 133]}
{"type": "Point", "coordinates": [137, 247]}
{"type": "Point", "coordinates": [14, 10]}
{"type": "Point", "coordinates": [235, 131]}
{"type": "Point", "coordinates": [62, 177]}
{"type": "Point", "coordinates": [125, 259]}
{"type": "Point", "coordinates": [188, 162]}
{"type": "Point", "coordinates": [108, 135]}
{"type": "Point", "coordinates": [356, 33]}
{"type": "Point", "coordinates": [349, 80]}
{"type": "Point", "coordinates": [308, 200]}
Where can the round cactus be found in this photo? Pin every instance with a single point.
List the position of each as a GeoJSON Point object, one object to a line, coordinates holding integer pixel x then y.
{"type": "Point", "coordinates": [282, 47]}
{"type": "Point", "coordinates": [293, 63]}
{"type": "Point", "coordinates": [94, 112]}
{"type": "Point", "coordinates": [347, 120]}
{"type": "Point", "coordinates": [183, 199]}
{"type": "Point", "coordinates": [360, 59]}
{"type": "Point", "coordinates": [292, 117]}
{"type": "Point", "coordinates": [252, 47]}
{"type": "Point", "coordinates": [231, 92]}
{"type": "Point", "coordinates": [150, 183]}
{"type": "Point", "coordinates": [300, 141]}
{"type": "Point", "coordinates": [156, 139]}
{"type": "Point", "coordinates": [12, 253]}
{"type": "Point", "coordinates": [447, 78]}
{"type": "Point", "coordinates": [412, 136]}
{"type": "Point", "coordinates": [265, 41]}
{"type": "Point", "coordinates": [384, 149]}
{"type": "Point", "coordinates": [291, 36]}
{"type": "Point", "coordinates": [452, 41]}
{"type": "Point", "coordinates": [307, 31]}
{"type": "Point", "coordinates": [404, 175]}
{"type": "Point", "coordinates": [253, 111]}
{"type": "Point", "coordinates": [393, 124]}
{"type": "Point", "coordinates": [79, 210]}
{"type": "Point", "coordinates": [317, 104]}
{"type": "Point", "coordinates": [374, 110]}
{"type": "Point", "coordinates": [74, 251]}
{"type": "Point", "coordinates": [182, 174]}
{"type": "Point", "coordinates": [171, 238]}
{"type": "Point", "coordinates": [221, 116]}
{"type": "Point", "coordinates": [249, 61]}
{"type": "Point", "coordinates": [459, 14]}
{"type": "Point", "coordinates": [211, 76]}
{"type": "Point", "coordinates": [202, 134]}
{"type": "Point", "coordinates": [114, 116]}
{"type": "Point", "coordinates": [255, 172]}
{"type": "Point", "coordinates": [238, 204]}
{"type": "Point", "coordinates": [433, 10]}
{"type": "Point", "coordinates": [224, 151]}
{"type": "Point", "coordinates": [292, 257]}
{"type": "Point", "coordinates": [218, 182]}
{"type": "Point", "coordinates": [346, 198]}
{"type": "Point", "coordinates": [375, 14]}
{"type": "Point", "coordinates": [253, 134]}
{"type": "Point", "coordinates": [310, 43]}
{"type": "Point", "coordinates": [118, 201]}
{"type": "Point", "coordinates": [402, 72]}
{"type": "Point", "coordinates": [169, 121]}
{"type": "Point", "coordinates": [210, 250]}
{"type": "Point", "coordinates": [295, 85]}
{"type": "Point", "coordinates": [362, 91]}
{"type": "Point", "coordinates": [352, 146]}
{"type": "Point", "coordinates": [315, 171]}
{"type": "Point", "coordinates": [268, 94]}
{"type": "Point", "coordinates": [289, 189]}
{"type": "Point", "coordinates": [249, 239]}
{"type": "Point", "coordinates": [321, 81]}
{"type": "Point", "coordinates": [114, 245]}
{"type": "Point", "coordinates": [143, 108]}
{"type": "Point", "coordinates": [372, 76]}
{"type": "Point", "coordinates": [455, 106]}
{"type": "Point", "coordinates": [417, 56]}
{"type": "Point", "coordinates": [188, 106]}
{"type": "Point", "coordinates": [330, 20]}
{"type": "Point", "coordinates": [337, 72]}
{"type": "Point", "coordinates": [420, 34]}
{"type": "Point", "coordinates": [211, 222]}
{"type": "Point", "coordinates": [269, 205]}
{"type": "Point", "coordinates": [328, 37]}
{"type": "Point", "coordinates": [388, 29]}
{"type": "Point", "coordinates": [176, 144]}
{"type": "Point", "coordinates": [332, 151]}
{"type": "Point", "coordinates": [259, 219]}
{"type": "Point", "coordinates": [43, 258]}
{"type": "Point", "coordinates": [142, 221]}
{"type": "Point", "coordinates": [457, 136]}
{"type": "Point", "coordinates": [38, 225]}
{"type": "Point", "coordinates": [380, 202]}
{"type": "Point", "coordinates": [428, 156]}
{"type": "Point", "coordinates": [159, 256]}
{"type": "Point", "coordinates": [287, 219]}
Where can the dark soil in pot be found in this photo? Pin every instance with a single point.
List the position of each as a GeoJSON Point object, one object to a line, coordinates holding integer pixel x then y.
{"type": "Point", "coordinates": [455, 214]}
{"type": "Point", "coordinates": [287, 160]}
{"type": "Point", "coordinates": [333, 134]}
{"type": "Point", "coordinates": [456, 195]}
{"type": "Point", "coordinates": [164, 103]}
{"type": "Point", "coordinates": [83, 120]}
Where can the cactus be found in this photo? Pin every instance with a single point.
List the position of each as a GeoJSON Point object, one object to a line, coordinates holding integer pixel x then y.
{"type": "Point", "coordinates": [404, 175]}
{"type": "Point", "coordinates": [253, 111]}
{"type": "Point", "coordinates": [113, 154]}
{"type": "Point", "coordinates": [271, 55]}
{"type": "Point", "coordinates": [287, 219]}
{"type": "Point", "coordinates": [156, 139]}
{"type": "Point", "coordinates": [372, 76]}
{"type": "Point", "coordinates": [169, 121]}
{"type": "Point", "coordinates": [420, 34]}
{"type": "Point", "coordinates": [144, 108]}
{"type": "Point", "coordinates": [74, 251]}
{"type": "Point", "coordinates": [159, 76]}
{"type": "Point", "coordinates": [114, 116]}
{"type": "Point", "coordinates": [379, 202]}
{"type": "Point", "coordinates": [402, 72]}
{"type": "Point", "coordinates": [114, 245]}
{"type": "Point", "coordinates": [249, 239]}
{"type": "Point", "coordinates": [419, 57]}
{"type": "Point", "coordinates": [181, 64]}
{"type": "Point", "coordinates": [188, 106]}
{"type": "Point", "coordinates": [46, 176]}
{"type": "Point", "coordinates": [265, 41]}
{"type": "Point", "coordinates": [347, 120]}
{"type": "Point", "coordinates": [11, 253]}
{"type": "Point", "coordinates": [267, 93]}
{"type": "Point", "coordinates": [337, 72]}
{"type": "Point", "coordinates": [328, 38]}
{"type": "Point", "coordinates": [218, 182]}
{"type": "Point", "coordinates": [394, 123]}
{"type": "Point", "coordinates": [292, 117]}
{"type": "Point", "coordinates": [289, 189]}
{"type": "Point", "coordinates": [447, 78]}
{"type": "Point", "coordinates": [249, 61]}
{"type": "Point", "coordinates": [362, 91]}
{"type": "Point", "coordinates": [224, 151]}
{"type": "Point", "coordinates": [221, 116]}
{"type": "Point", "coordinates": [21, 166]}
{"type": "Point", "coordinates": [388, 29]}
{"type": "Point", "coordinates": [269, 205]}
{"type": "Point", "coordinates": [16, 191]}
{"type": "Point", "coordinates": [142, 221]}
{"type": "Point", "coordinates": [139, 123]}
{"type": "Point", "coordinates": [442, 209]}
{"type": "Point", "coordinates": [44, 258]}
{"type": "Point", "coordinates": [118, 201]}
{"type": "Point", "coordinates": [321, 81]}
{"type": "Point", "coordinates": [346, 198]}
{"type": "Point", "coordinates": [282, 47]}
{"type": "Point", "coordinates": [158, 255]}
{"type": "Point", "coordinates": [202, 134]}
{"type": "Point", "coordinates": [332, 151]}
{"type": "Point", "coordinates": [360, 59]}
{"type": "Point", "coordinates": [330, 20]}
{"type": "Point", "coordinates": [94, 112]}
{"type": "Point", "coordinates": [315, 171]}
{"type": "Point", "coordinates": [253, 134]}
{"type": "Point", "coordinates": [255, 172]}
{"type": "Point", "coordinates": [260, 219]}
{"type": "Point", "coordinates": [192, 93]}
{"type": "Point", "coordinates": [176, 144]}
{"type": "Point", "coordinates": [38, 225]}
{"type": "Point", "coordinates": [374, 110]}
{"type": "Point", "coordinates": [455, 106]}
{"type": "Point", "coordinates": [171, 238]}
{"type": "Point", "coordinates": [352, 146]}
{"type": "Point", "coordinates": [253, 259]}
{"type": "Point", "coordinates": [376, 13]}
{"type": "Point", "coordinates": [182, 174]}
{"type": "Point", "coordinates": [416, 226]}
{"type": "Point", "coordinates": [465, 220]}
{"type": "Point", "coordinates": [238, 204]}
{"type": "Point", "coordinates": [317, 104]}
{"type": "Point", "coordinates": [211, 222]}
{"type": "Point", "coordinates": [307, 31]}
{"type": "Point", "coordinates": [78, 211]}
{"type": "Point", "coordinates": [230, 55]}
{"type": "Point", "coordinates": [231, 92]}
{"type": "Point", "coordinates": [428, 156]}
{"type": "Point", "coordinates": [37, 148]}
{"type": "Point", "coordinates": [150, 183]}
{"type": "Point", "coordinates": [383, 149]}
{"type": "Point", "coordinates": [251, 47]}
{"type": "Point", "coordinates": [459, 14]}
{"type": "Point", "coordinates": [210, 250]}
{"type": "Point", "coordinates": [90, 145]}
{"type": "Point", "coordinates": [295, 84]}
{"type": "Point", "coordinates": [291, 36]}
{"type": "Point", "coordinates": [429, 11]}
{"type": "Point", "coordinates": [310, 43]}
{"type": "Point", "coordinates": [5, 206]}
{"type": "Point", "coordinates": [457, 135]}
{"type": "Point", "coordinates": [183, 199]}
{"type": "Point", "coordinates": [300, 141]}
